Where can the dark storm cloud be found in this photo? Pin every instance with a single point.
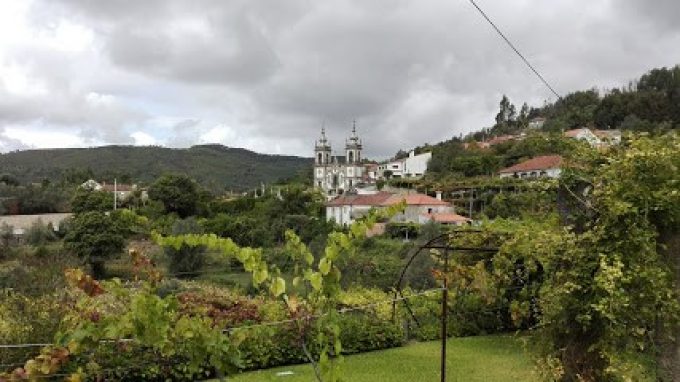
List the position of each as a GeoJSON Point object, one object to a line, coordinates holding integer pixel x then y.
{"type": "Point", "coordinates": [408, 71]}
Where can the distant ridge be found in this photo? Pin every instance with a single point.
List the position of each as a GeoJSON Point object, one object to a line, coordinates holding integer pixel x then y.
{"type": "Point", "coordinates": [215, 166]}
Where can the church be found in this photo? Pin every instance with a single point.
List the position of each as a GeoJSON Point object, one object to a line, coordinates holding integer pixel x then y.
{"type": "Point", "coordinates": [337, 174]}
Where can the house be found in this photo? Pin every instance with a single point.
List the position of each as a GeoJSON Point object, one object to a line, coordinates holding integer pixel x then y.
{"type": "Point", "coordinates": [413, 166]}
{"type": "Point", "coordinates": [542, 166]}
{"type": "Point", "coordinates": [416, 206]}
{"type": "Point", "coordinates": [584, 134]}
{"type": "Point", "coordinates": [536, 123]}
{"type": "Point", "coordinates": [345, 209]}
{"type": "Point", "coordinates": [121, 191]}
{"type": "Point", "coordinates": [420, 208]}
{"type": "Point", "coordinates": [608, 137]}
{"type": "Point", "coordinates": [370, 172]}
{"type": "Point", "coordinates": [416, 165]}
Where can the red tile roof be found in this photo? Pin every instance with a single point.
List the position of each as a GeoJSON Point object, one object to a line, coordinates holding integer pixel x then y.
{"type": "Point", "coordinates": [501, 139]}
{"type": "Point", "coordinates": [360, 200]}
{"type": "Point", "coordinates": [448, 218]}
{"type": "Point", "coordinates": [118, 188]}
{"type": "Point", "coordinates": [574, 132]}
{"type": "Point", "coordinates": [415, 200]}
{"type": "Point", "coordinates": [539, 163]}
{"type": "Point", "coordinates": [607, 133]}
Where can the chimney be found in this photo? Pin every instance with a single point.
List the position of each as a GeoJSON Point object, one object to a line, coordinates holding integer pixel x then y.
{"type": "Point", "coordinates": [412, 154]}
{"type": "Point", "coordinates": [439, 195]}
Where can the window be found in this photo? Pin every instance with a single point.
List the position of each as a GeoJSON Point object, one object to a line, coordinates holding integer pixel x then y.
{"type": "Point", "coordinates": [429, 210]}
{"type": "Point", "coordinates": [320, 158]}
{"type": "Point", "coordinates": [350, 157]}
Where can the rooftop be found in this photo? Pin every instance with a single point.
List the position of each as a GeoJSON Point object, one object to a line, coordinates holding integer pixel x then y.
{"type": "Point", "coordinates": [573, 133]}
{"type": "Point", "coordinates": [415, 200]}
{"type": "Point", "coordinates": [538, 163]}
{"type": "Point", "coordinates": [360, 199]}
{"type": "Point", "coordinates": [447, 218]}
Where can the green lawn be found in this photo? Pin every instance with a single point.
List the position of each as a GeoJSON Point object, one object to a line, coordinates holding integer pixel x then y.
{"type": "Point", "coordinates": [489, 359]}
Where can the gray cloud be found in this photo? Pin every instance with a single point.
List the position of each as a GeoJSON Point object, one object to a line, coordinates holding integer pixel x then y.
{"type": "Point", "coordinates": [259, 72]}
{"type": "Point", "coordinates": [8, 144]}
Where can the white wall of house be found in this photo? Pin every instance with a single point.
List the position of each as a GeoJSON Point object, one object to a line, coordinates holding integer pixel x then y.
{"type": "Point", "coordinates": [416, 165]}
{"type": "Point", "coordinates": [412, 213]}
{"type": "Point", "coordinates": [346, 214]}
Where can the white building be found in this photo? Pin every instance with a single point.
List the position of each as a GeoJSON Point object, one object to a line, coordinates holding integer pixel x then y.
{"type": "Point", "coordinates": [544, 166]}
{"type": "Point", "coordinates": [121, 191]}
{"type": "Point", "coordinates": [536, 123]}
{"type": "Point", "coordinates": [336, 174]}
{"type": "Point", "coordinates": [414, 166]}
{"type": "Point", "coordinates": [345, 209]}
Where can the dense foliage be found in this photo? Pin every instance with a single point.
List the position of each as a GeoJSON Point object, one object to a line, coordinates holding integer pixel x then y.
{"type": "Point", "coordinates": [602, 292]}
{"type": "Point", "coordinates": [96, 237]}
{"type": "Point", "coordinates": [178, 193]}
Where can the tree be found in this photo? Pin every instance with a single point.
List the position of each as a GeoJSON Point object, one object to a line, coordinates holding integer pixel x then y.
{"type": "Point", "coordinates": [9, 180]}
{"type": "Point", "coordinates": [523, 118]}
{"type": "Point", "coordinates": [506, 113]}
{"type": "Point", "coordinates": [86, 200]}
{"type": "Point", "coordinates": [178, 193]}
{"type": "Point", "coordinates": [95, 237]}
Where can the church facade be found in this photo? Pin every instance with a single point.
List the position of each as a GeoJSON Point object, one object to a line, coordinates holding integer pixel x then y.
{"type": "Point", "coordinates": [338, 174]}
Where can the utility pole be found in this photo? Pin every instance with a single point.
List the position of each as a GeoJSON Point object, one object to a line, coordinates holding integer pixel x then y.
{"type": "Point", "coordinates": [115, 193]}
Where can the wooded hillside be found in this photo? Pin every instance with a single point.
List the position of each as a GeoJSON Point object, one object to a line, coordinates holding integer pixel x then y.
{"type": "Point", "coordinates": [216, 167]}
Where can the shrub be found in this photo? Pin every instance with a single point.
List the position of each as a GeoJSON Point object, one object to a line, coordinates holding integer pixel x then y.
{"type": "Point", "coordinates": [185, 260]}
{"type": "Point", "coordinates": [25, 319]}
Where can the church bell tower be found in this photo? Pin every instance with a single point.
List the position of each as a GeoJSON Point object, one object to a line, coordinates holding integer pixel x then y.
{"type": "Point", "coordinates": [322, 159]}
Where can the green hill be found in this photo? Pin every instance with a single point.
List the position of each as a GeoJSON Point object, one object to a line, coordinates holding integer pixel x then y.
{"type": "Point", "coordinates": [216, 167]}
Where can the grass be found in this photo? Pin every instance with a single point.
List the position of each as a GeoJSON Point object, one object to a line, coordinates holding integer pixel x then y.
{"type": "Point", "coordinates": [470, 359]}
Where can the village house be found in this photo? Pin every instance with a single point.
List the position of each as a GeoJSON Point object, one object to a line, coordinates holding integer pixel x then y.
{"type": "Point", "coordinates": [420, 208]}
{"type": "Point", "coordinates": [121, 191]}
{"type": "Point", "coordinates": [536, 123]}
{"type": "Point", "coordinates": [583, 134]}
{"type": "Point", "coordinates": [608, 137]}
{"type": "Point", "coordinates": [595, 138]}
{"type": "Point", "coordinates": [542, 166]}
{"type": "Point", "coordinates": [413, 166]}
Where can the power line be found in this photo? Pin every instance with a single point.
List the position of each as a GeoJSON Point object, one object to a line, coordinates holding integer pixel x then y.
{"type": "Point", "coordinates": [516, 50]}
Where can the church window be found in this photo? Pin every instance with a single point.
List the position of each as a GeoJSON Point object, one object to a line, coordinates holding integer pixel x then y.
{"type": "Point", "coordinates": [351, 157]}
{"type": "Point", "coordinates": [320, 158]}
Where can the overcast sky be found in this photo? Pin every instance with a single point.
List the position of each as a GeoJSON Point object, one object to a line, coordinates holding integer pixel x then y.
{"type": "Point", "coordinates": [265, 75]}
